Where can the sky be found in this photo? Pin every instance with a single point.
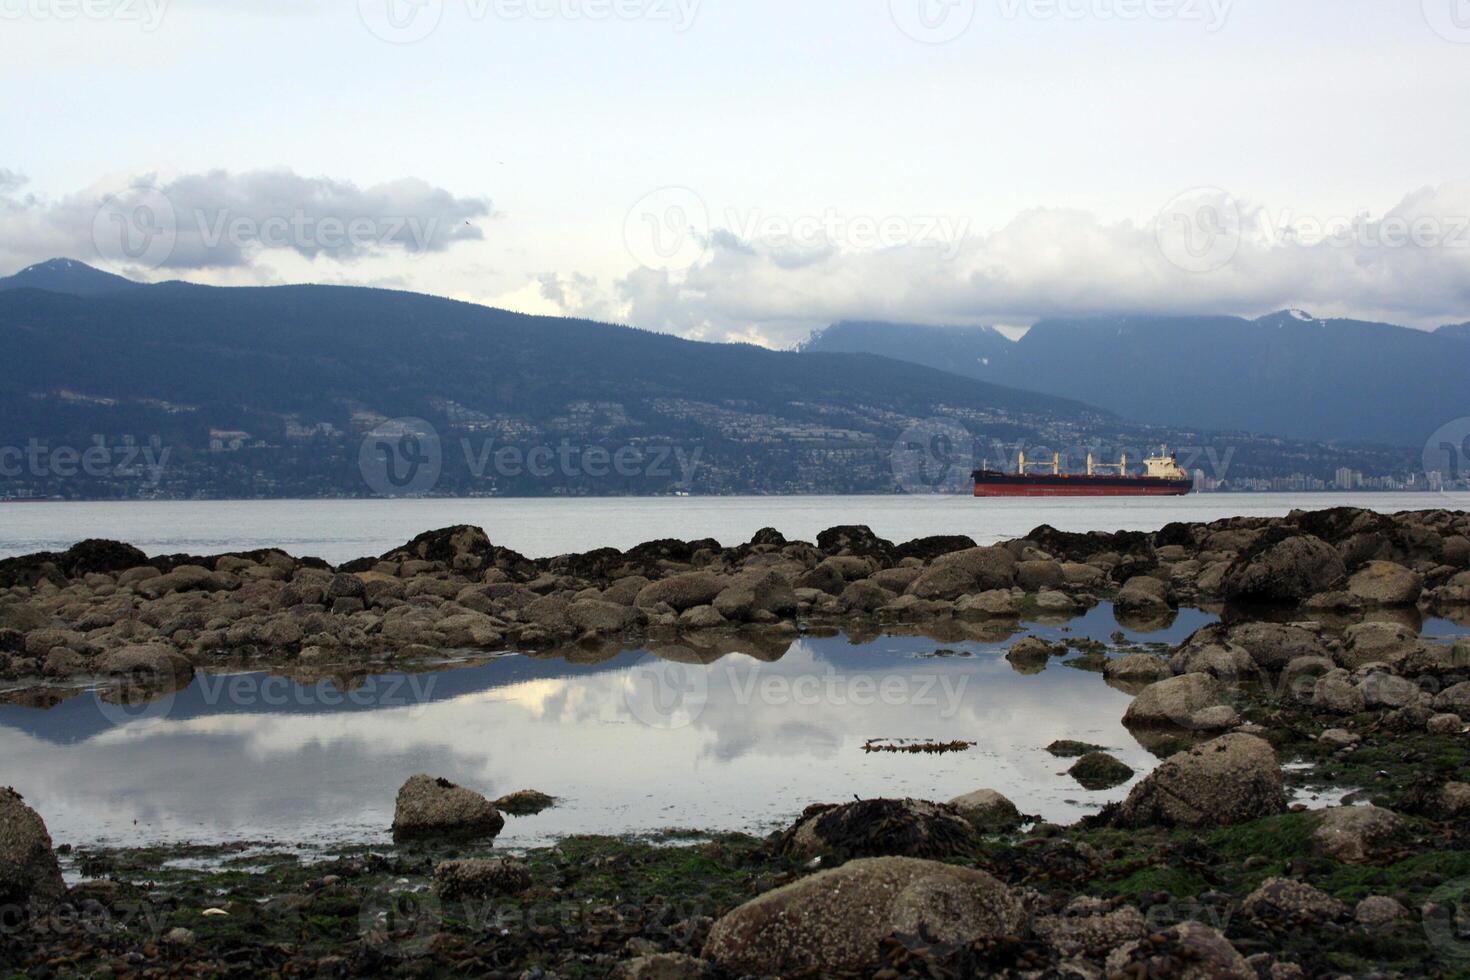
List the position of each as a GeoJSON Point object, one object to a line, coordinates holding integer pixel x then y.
{"type": "Point", "coordinates": [753, 169]}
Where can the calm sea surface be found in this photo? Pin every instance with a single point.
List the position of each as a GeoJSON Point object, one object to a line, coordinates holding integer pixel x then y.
{"type": "Point", "coordinates": [641, 741]}
{"type": "Point", "coordinates": [340, 530]}
{"type": "Point", "coordinates": [637, 743]}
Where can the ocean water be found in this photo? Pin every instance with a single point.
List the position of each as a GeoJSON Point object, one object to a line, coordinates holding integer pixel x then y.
{"type": "Point", "coordinates": [340, 530]}
{"type": "Point", "coordinates": [644, 741]}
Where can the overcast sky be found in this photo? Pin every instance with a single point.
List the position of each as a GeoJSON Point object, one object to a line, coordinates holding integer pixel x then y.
{"type": "Point", "coordinates": [754, 168]}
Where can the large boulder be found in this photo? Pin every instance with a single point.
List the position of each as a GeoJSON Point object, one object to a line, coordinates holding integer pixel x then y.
{"type": "Point", "coordinates": [1136, 667]}
{"type": "Point", "coordinates": [1173, 702]}
{"type": "Point", "coordinates": [145, 662]}
{"type": "Point", "coordinates": [1144, 593]}
{"type": "Point", "coordinates": [835, 921]}
{"type": "Point", "coordinates": [480, 877]}
{"type": "Point", "coordinates": [184, 578]}
{"type": "Point", "coordinates": [1275, 645]}
{"type": "Point", "coordinates": [1230, 780]}
{"type": "Point", "coordinates": [427, 806]}
{"type": "Point", "coordinates": [1285, 572]}
{"type": "Point", "coordinates": [1353, 834]}
{"type": "Point", "coordinates": [1284, 902]}
{"type": "Point", "coordinates": [879, 828]}
{"type": "Point", "coordinates": [28, 867]}
{"type": "Point", "coordinates": [988, 811]}
{"type": "Point", "coordinates": [960, 572]}
{"type": "Point", "coordinates": [683, 591]}
{"type": "Point", "coordinates": [1087, 927]}
{"type": "Point", "coordinates": [597, 616]}
{"type": "Point", "coordinates": [1386, 583]}
{"type": "Point", "coordinates": [1376, 643]}
{"type": "Point", "coordinates": [756, 592]}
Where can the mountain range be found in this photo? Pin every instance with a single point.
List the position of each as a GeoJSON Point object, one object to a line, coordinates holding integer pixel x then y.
{"type": "Point", "coordinates": [1290, 374]}
{"type": "Point", "coordinates": [271, 391]}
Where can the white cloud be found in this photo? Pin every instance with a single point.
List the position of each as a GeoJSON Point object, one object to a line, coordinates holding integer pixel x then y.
{"type": "Point", "coordinates": [1206, 252]}
{"type": "Point", "coordinates": [219, 220]}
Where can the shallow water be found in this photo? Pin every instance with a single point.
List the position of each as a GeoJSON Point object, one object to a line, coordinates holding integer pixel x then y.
{"type": "Point", "coordinates": [634, 744]}
{"type": "Point", "coordinates": [341, 530]}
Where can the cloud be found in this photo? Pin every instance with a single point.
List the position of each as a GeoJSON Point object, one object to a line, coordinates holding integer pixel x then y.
{"type": "Point", "coordinates": [1205, 252]}
{"type": "Point", "coordinates": [221, 220]}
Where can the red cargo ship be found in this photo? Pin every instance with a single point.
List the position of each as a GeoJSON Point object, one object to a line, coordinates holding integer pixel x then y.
{"type": "Point", "coordinates": [1162, 477]}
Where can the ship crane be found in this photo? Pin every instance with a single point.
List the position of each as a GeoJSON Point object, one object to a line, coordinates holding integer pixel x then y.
{"type": "Point", "coordinates": [1094, 467]}
{"type": "Point", "coordinates": [1055, 464]}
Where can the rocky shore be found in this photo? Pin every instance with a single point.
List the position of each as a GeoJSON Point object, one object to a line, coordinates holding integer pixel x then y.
{"type": "Point", "coordinates": [1317, 670]}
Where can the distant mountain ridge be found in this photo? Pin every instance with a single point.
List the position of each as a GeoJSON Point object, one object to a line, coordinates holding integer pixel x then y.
{"type": "Point", "coordinates": [287, 392]}
{"type": "Point", "coordinates": [270, 390]}
{"type": "Point", "coordinates": [68, 276]}
{"type": "Point", "coordinates": [1288, 373]}
{"type": "Point", "coordinates": [1458, 331]}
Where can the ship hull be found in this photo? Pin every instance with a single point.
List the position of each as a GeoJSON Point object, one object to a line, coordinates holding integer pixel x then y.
{"type": "Point", "coordinates": [1012, 485]}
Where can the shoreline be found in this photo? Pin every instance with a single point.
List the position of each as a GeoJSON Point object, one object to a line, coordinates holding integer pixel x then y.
{"type": "Point", "coordinates": [1317, 673]}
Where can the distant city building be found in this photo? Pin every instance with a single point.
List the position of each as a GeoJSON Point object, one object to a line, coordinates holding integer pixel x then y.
{"type": "Point", "coordinates": [227, 440]}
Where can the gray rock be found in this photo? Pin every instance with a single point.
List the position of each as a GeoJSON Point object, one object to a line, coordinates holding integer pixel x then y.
{"type": "Point", "coordinates": [961, 572]}
{"type": "Point", "coordinates": [1454, 699]}
{"type": "Point", "coordinates": [599, 616]}
{"type": "Point", "coordinates": [702, 617]}
{"type": "Point", "coordinates": [28, 867]}
{"type": "Point", "coordinates": [865, 597]}
{"type": "Point", "coordinates": [1338, 738]}
{"type": "Point", "coordinates": [1283, 901]}
{"type": "Point", "coordinates": [1382, 690]}
{"type": "Point", "coordinates": [1375, 642]}
{"type": "Point", "coordinates": [988, 811]}
{"type": "Point", "coordinates": [1137, 667]}
{"type": "Point", "coordinates": [1336, 692]}
{"type": "Point", "coordinates": [477, 878]}
{"type": "Point", "coordinates": [1385, 583]}
{"type": "Point", "coordinates": [1085, 929]}
{"type": "Point", "coordinates": [1188, 951]}
{"type": "Point", "coordinates": [1352, 834]}
{"type": "Point", "coordinates": [1143, 593]}
{"type": "Point", "coordinates": [1446, 724]}
{"type": "Point", "coordinates": [879, 828]}
{"type": "Point", "coordinates": [1376, 911]}
{"type": "Point", "coordinates": [1173, 702]}
{"type": "Point", "coordinates": [1035, 575]}
{"type": "Point", "coordinates": [1275, 645]}
{"type": "Point", "coordinates": [1287, 571]}
{"type": "Point", "coordinates": [1031, 650]}
{"type": "Point", "coordinates": [754, 592]}
{"type": "Point", "coordinates": [428, 806]}
{"type": "Point", "coordinates": [1232, 779]}
{"type": "Point", "coordinates": [834, 921]}
{"type": "Point", "coordinates": [992, 604]}
{"type": "Point", "coordinates": [683, 591]}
